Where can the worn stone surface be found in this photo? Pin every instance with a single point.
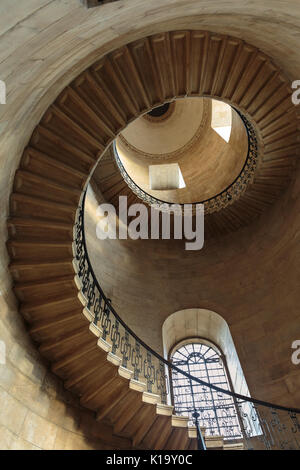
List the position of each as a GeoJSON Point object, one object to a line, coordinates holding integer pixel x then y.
{"type": "Point", "coordinates": [36, 412]}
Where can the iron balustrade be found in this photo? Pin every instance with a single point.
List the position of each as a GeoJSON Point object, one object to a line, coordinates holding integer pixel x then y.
{"type": "Point", "coordinates": [263, 425]}
{"type": "Point", "coordinates": [220, 200]}
{"type": "Point", "coordinates": [218, 414]}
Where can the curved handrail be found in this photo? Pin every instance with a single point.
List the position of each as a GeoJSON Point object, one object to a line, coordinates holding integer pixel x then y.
{"type": "Point", "coordinates": [101, 304]}
{"type": "Point", "coordinates": [218, 201]}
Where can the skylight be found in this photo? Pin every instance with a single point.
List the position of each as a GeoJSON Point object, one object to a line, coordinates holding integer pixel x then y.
{"type": "Point", "coordinates": [221, 119]}
{"type": "Point", "coordinates": [165, 177]}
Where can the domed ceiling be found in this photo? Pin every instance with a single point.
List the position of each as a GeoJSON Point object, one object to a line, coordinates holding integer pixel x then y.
{"type": "Point", "coordinates": [235, 178]}
{"type": "Point", "coordinates": [208, 163]}
{"type": "Point", "coordinates": [169, 134]}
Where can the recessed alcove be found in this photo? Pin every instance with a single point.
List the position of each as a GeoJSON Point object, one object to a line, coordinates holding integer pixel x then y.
{"type": "Point", "coordinates": [184, 325]}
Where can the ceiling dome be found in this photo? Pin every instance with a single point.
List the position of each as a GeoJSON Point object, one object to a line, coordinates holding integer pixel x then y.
{"type": "Point", "coordinates": [219, 67]}
{"type": "Point", "coordinates": [192, 137]}
{"type": "Point", "coordinates": [169, 134]}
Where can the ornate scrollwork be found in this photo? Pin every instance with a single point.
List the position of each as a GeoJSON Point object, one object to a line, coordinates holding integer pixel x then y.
{"type": "Point", "coordinates": [106, 320]}
{"type": "Point", "coordinates": [125, 348]}
{"type": "Point", "coordinates": [136, 360]}
{"type": "Point", "coordinates": [162, 382]}
{"type": "Point", "coordinates": [221, 200]}
{"type": "Point", "coordinates": [115, 337]}
{"type": "Point", "coordinates": [149, 371]}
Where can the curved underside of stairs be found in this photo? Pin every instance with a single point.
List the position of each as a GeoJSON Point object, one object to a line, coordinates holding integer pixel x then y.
{"type": "Point", "coordinates": [62, 152]}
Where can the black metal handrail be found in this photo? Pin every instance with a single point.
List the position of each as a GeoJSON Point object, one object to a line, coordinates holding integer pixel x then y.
{"type": "Point", "coordinates": [147, 363]}
{"type": "Point", "coordinates": [157, 355]}
{"type": "Point", "coordinates": [218, 201]}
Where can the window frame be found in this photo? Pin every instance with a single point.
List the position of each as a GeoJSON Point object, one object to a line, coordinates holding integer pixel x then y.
{"type": "Point", "coordinates": [218, 350]}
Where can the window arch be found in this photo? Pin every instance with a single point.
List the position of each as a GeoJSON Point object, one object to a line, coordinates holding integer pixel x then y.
{"type": "Point", "coordinates": [202, 359]}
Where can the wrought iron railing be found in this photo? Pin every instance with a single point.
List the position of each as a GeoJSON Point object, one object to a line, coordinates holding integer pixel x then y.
{"type": "Point", "coordinates": [220, 200]}
{"type": "Point", "coordinates": [258, 424]}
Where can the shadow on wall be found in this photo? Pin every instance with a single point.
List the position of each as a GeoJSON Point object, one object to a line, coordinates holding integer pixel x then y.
{"type": "Point", "coordinates": [206, 325]}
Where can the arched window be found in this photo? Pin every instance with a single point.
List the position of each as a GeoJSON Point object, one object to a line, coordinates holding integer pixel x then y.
{"type": "Point", "coordinates": [217, 411]}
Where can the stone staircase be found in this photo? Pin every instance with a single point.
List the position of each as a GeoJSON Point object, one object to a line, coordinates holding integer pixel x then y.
{"type": "Point", "coordinates": [62, 152]}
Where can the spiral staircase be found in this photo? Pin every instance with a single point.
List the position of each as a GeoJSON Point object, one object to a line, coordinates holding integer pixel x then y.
{"type": "Point", "coordinates": [55, 166]}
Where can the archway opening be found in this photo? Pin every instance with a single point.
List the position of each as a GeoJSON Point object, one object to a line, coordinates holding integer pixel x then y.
{"type": "Point", "coordinates": [199, 342]}
{"type": "Point", "coordinates": [206, 138]}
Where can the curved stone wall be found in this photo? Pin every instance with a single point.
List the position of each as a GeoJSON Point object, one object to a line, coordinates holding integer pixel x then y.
{"type": "Point", "coordinates": [36, 412]}
{"type": "Point", "coordinates": [249, 277]}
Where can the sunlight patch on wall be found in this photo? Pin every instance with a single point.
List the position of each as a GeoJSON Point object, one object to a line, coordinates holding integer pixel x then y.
{"type": "Point", "coordinates": [165, 177]}
{"type": "Point", "coordinates": [221, 119]}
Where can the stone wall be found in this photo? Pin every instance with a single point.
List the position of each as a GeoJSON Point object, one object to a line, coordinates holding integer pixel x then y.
{"type": "Point", "coordinates": [36, 412]}
{"type": "Point", "coordinates": [44, 45]}
{"type": "Point", "coordinates": [250, 277]}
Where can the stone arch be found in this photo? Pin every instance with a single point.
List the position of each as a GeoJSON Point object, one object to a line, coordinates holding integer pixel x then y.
{"type": "Point", "coordinates": [202, 324]}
